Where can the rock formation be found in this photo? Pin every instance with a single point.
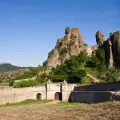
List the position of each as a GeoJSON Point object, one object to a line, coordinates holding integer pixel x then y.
{"type": "Point", "coordinates": [71, 44]}
{"type": "Point", "coordinates": [112, 48]}
{"type": "Point", "coordinates": [99, 38]}
{"type": "Point", "coordinates": [110, 54]}
{"type": "Point", "coordinates": [115, 40]}
{"type": "Point", "coordinates": [90, 50]}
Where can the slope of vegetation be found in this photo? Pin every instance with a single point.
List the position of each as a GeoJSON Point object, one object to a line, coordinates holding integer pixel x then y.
{"type": "Point", "coordinates": [27, 79]}
{"type": "Point", "coordinates": [83, 69]}
{"type": "Point", "coordinates": [10, 72]}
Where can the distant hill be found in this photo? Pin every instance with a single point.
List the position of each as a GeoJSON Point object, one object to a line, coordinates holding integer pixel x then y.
{"type": "Point", "coordinates": [11, 72]}
{"type": "Point", "coordinates": [7, 67]}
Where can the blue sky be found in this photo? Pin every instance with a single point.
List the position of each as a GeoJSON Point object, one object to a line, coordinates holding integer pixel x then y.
{"type": "Point", "coordinates": [29, 28]}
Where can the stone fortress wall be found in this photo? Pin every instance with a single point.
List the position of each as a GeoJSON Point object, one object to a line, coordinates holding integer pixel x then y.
{"type": "Point", "coordinates": [99, 92]}
{"type": "Point", "coordinates": [10, 95]}
{"type": "Point", "coordinates": [50, 91]}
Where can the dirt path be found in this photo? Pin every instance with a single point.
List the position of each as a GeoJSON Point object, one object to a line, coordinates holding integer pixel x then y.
{"type": "Point", "coordinates": [95, 79]}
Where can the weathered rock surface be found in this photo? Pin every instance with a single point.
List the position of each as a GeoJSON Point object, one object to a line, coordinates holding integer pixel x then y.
{"type": "Point", "coordinates": [71, 44]}
{"type": "Point", "coordinates": [90, 50]}
{"type": "Point", "coordinates": [99, 38]}
{"type": "Point", "coordinates": [115, 40]}
{"type": "Point", "coordinates": [112, 48]}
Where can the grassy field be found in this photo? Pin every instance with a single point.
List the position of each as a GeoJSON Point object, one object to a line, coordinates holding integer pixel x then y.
{"type": "Point", "coordinates": [26, 102]}
{"type": "Point", "coordinates": [39, 110]}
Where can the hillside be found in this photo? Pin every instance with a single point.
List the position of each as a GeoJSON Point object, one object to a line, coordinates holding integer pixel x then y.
{"type": "Point", "coordinates": [6, 67]}
{"type": "Point", "coordinates": [67, 46]}
{"type": "Point", "coordinates": [72, 44]}
{"type": "Point", "coordinates": [13, 75]}
{"type": "Point", "coordinates": [10, 72]}
{"type": "Point", "coordinates": [73, 60]}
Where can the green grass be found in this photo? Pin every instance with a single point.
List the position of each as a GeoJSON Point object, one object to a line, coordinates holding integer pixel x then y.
{"type": "Point", "coordinates": [66, 105]}
{"type": "Point", "coordinates": [4, 84]}
{"type": "Point", "coordinates": [25, 102]}
{"type": "Point", "coordinates": [76, 104]}
{"type": "Point", "coordinates": [32, 101]}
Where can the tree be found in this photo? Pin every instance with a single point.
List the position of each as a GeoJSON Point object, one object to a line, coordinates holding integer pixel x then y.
{"type": "Point", "coordinates": [11, 83]}
{"type": "Point", "coordinates": [100, 53]}
{"type": "Point", "coordinates": [76, 76]}
{"type": "Point", "coordinates": [111, 75]}
{"type": "Point", "coordinates": [42, 78]}
{"type": "Point", "coordinates": [93, 62]}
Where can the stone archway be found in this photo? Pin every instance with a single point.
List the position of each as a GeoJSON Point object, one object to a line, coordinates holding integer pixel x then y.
{"type": "Point", "coordinates": [39, 96]}
{"type": "Point", "coordinates": [58, 96]}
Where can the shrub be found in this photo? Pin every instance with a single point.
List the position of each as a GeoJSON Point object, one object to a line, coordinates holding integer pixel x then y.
{"type": "Point", "coordinates": [27, 74]}
{"type": "Point", "coordinates": [93, 62]}
{"type": "Point", "coordinates": [45, 63]}
{"type": "Point", "coordinates": [111, 75]}
{"type": "Point", "coordinates": [42, 78]}
{"type": "Point", "coordinates": [77, 76]}
{"type": "Point", "coordinates": [26, 83]}
{"type": "Point", "coordinates": [100, 53]}
{"type": "Point", "coordinates": [60, 78]}
{"type": "Point", "coordinates": [11, 83]}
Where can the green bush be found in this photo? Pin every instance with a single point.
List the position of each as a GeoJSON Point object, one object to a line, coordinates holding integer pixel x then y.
{"type": "Point", "coordinates": [11, 83]}
{"type": "Point", "coordinates": [59, 78]}
{"type": "Point", "coordinates": [28, 74]}
{"type": "Point", "coordinates": [93, 62]}
{"type": "Point", "coordinates": [100, 53]}
{"type": "Point", "coordinates": [42, 78]}
{"type": "Point", "coordinates": [26, 83]}
{"type": "Point", "coordinates": [45, 63]}
{"type": "Point", "coordinates": [111, 75]}
{"type": "Point", "coordinates": [76, 76]}
{"type": "Point", "coordinates": [72, 70]}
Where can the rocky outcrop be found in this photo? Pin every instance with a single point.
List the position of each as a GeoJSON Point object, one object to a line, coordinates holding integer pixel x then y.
{"type": "Point", "coordinates": [115, 40]}
{"type": "Point", "coordinates": [109, 54]}
{"type": "Point", "coordinates": [112, 48]}
{"type": "Point", "coordinates": [99, 38]}
{"type": "Point", "coordinates": [71, 44]}
{"type": "Point", "coordinates": [90, 50]}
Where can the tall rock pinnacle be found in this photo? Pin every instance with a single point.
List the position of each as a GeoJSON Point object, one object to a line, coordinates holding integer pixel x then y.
{"type": "Point", "coordinates": [115, 40]}
{"type": "Point", "coordinates": [99, 38]}
{"type": "Point", "coordinates": [70, 44]}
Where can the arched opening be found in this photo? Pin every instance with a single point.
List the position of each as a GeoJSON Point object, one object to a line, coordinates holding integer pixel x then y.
{"type": "Point", "coordinates": [58, 96]}
{"type": "Point", "coordinates": [39, 96]}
